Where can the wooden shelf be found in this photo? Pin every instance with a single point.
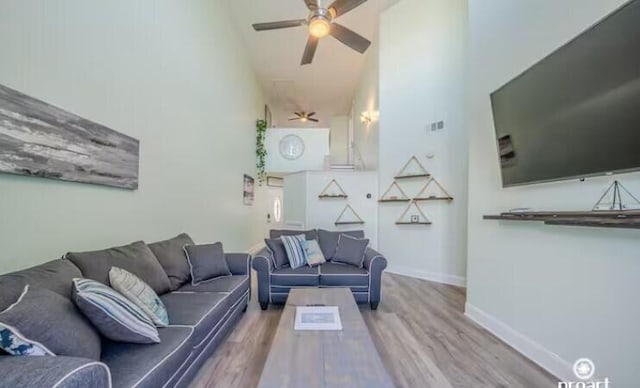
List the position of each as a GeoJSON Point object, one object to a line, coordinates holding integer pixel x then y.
{"type": "Point", "coordinates": [413, 223]}
{"type": "Point", "coordinates": [601, 219]}
{"type": "Point", "coordinates": [350, 223]}
{"type": "Point", "coordinates": [434, 199]}
{"type": "Point", "coordinates": [395, 200]}
{"type": "Point", "coordinates": [412, 176]}
{"type": "Point", "coordinates": [333, 196]}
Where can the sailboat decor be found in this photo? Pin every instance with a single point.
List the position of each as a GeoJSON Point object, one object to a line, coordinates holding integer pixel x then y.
{"type": "Point", "coordinates": [617, 198]}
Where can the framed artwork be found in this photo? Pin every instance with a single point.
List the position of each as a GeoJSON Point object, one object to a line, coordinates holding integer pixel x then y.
{"type": "Point", "coordinates": [248, 190]}
{"type": "Point", "coordinates": [41, 140]}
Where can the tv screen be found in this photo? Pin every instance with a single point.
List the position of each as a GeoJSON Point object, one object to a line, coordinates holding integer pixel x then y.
{"type": "Point", "coordinates": [576, 113]}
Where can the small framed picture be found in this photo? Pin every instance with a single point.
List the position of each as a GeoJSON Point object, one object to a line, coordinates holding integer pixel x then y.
{"type": "Point", "coordinates": [415, 218]}
{"type": "Point", "coordinates": [248, 190]}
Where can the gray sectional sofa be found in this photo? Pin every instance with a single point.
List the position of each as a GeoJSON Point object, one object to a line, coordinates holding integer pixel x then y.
{"type": "Point", "coordinates": [365, 283]}
{"type": "Point", "coordinates": [200, 317]}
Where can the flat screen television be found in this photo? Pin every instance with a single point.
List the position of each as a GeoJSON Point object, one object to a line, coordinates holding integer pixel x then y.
{"type": "Point", "coordinates": [576, 113]}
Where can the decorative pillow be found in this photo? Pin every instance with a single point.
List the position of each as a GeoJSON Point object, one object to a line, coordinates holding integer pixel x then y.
{"type": "Point", "coordinates": [278, 253]}
{"type": "Point", "coordinates": [351, 250]}
{"type": "Point", "coordinates": [296, 248]}
{"type": "Point", "coordinates": [173, 260]}
{"type": "Point", "coordinates": [136, 258]}
{"type": "Point", "coordinates": [314, 253]}
{"type": "Point", "coordinates": [140, 294]}
{"type": "Point", "coordinates": [206, 262]}
{"type": "Point", "coordinates": [112, 314]}
{"type": "Point", "coordinates": [42, 322]}
{"type": "Point", "coordinates": [329, 240]}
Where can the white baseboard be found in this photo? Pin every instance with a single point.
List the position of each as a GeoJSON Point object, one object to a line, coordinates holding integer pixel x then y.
{"type": "Point", "coordinates": [454, 280]}
{"type": "Point", "coordinates": [532, 350]}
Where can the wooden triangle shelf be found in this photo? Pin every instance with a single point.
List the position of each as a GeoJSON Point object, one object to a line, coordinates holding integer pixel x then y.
{"type": "Point", "coordinates": [413, 169]}
{"type": "Point", "coordinates": [442, 194]}
{"type": "Point", "coordinates": [400, 196]}
{"type": "Point", "coordinates": [355, 220]}
{"type": "Point", "coordinates": [416, 219]}
{"type": "Point", "coordinates": [333, 190]}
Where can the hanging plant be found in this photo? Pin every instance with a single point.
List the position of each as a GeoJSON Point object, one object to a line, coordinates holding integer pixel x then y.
{"type": "Point", "coordinates": [261, 152]}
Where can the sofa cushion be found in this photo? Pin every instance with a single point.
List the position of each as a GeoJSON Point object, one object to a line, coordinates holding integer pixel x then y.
{"type": "Point", "coordinates": [236, 286]}
{"type": "Point", "coordinates": [343, 275]}
{"type": "Point", "coordinates": [112, 314]}
{"type": "Point", "coordinates": [50, 322]}
{"type": "Point", "coordinates": [275, 246]}
{"type": "Point", "coordinates": [200, 310]}
{"type": "Point", "coordinates": [303, 276]}
{"type": "Point", "coordinates": [328, 240]}
{"type": "Point", "coordinates": [136, 258]}
{"type": "Point", "coordinates": [350, 250]}
{"type": "Point", "coordinates": [56, 275]}
{"type": "Point", "coordinates": [314, 253]}
{"type": "Point", "coordinates": [296, 247]}
{"type": "Point", "coordinates": [311, 234]}
{"type": "Point", "coordinates": [173, 259]}
{"type": "Point", "coordinates": [206, 261]}
{"type": "Point", "coordinates": [140, 294]}
{"type": "Point", "coordinates": [148, 366]}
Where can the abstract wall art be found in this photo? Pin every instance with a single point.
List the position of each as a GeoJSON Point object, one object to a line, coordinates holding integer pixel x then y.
{"type": "Point", "coordinates": [41, 140]}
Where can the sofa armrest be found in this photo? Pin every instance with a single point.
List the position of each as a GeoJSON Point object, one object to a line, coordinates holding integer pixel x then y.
{"type": "Point", "coordinates": [53, 371]}
{"type": "Point", "coordinates": [375, 263]}
{"type": "Point", "coordinates": [238, 263]}
{"type": "Point", "coordinates": [263, 265]}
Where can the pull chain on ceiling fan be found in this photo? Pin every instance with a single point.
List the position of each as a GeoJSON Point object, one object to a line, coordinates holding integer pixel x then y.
{"type": "Point", "coordinates": [320, 23]}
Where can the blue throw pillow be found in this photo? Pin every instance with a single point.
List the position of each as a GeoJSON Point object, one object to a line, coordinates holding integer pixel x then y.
{"type": "Point", "coordinates": [296, 247]}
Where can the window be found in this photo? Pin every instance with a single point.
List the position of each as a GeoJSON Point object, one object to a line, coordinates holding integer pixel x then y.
{"type": "Point", "coordinates": [277, 209]}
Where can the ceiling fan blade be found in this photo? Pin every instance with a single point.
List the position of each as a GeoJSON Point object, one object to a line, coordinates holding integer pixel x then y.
{"type": "Point", "coordinates": [350, 38]}
{"type": "Point", "coordinates": [295, 118]}
{"type": "Point", "coordinates": [279, 25]}
{"type": "Point", "coordinates": [314, 120]}
{"type": "Point", "coordinates": [311, 114]}
{"type": "Point", "coordinates": [310, 50]}
{"type": "Point", "coordinates": [340, 7]}
{"type": "Point", "coordinates": [311, 4]}
{"type": "Point", "coordinates": [299, 114]}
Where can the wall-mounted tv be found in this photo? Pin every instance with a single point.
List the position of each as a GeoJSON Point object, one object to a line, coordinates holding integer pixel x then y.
{"type": "Point", "coordinates": [576, 113]}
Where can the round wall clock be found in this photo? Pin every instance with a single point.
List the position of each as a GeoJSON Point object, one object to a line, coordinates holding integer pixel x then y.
{"type": "Point", "coordinates": [291, 147]}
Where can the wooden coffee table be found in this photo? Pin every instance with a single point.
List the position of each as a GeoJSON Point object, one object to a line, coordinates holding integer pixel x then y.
{"type": "Point", "coordinates": [309, 359]}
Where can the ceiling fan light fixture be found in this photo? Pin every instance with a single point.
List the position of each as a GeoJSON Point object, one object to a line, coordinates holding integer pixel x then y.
{"type": "Point", "coordinates": [303, 119]}
{"type": "Point", "coordinates": [319, 26]}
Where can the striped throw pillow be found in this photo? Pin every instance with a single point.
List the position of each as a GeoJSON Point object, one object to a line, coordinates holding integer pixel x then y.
{"type": "Point", "coordinates": [113, 314]}
{"type": "Point", "coordinates": [139, 292]}
{"type": "Point", "coordinates": [296, 248]}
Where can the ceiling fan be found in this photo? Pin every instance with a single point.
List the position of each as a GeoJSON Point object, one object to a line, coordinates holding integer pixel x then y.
{"type": "Point", "coordinates": [304, 117]}
{"type": "Point", "coordinates": [320, 23]}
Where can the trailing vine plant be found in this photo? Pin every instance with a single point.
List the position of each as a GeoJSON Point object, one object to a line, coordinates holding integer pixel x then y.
{"type": "Point", "coordinates": [261, 151]}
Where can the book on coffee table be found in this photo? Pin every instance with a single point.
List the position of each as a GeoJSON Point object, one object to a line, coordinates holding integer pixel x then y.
{"type": "Point", "coordinates": [317, 318]}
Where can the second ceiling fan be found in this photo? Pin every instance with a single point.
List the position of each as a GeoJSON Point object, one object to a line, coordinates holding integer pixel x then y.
{"type": "Point", "coordinates": [321, 22]}
{"type": "Point", "coordinates": [304, 117]}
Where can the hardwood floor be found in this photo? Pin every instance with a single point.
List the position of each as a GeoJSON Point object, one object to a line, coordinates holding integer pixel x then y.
{"type": "Point", "coordinates": [420, 331]}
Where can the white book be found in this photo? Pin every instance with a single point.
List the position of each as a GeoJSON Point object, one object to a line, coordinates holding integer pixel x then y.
{"type": "Point", "coordinates": [317, 318]}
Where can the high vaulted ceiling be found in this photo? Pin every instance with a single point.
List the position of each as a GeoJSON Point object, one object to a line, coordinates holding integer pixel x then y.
{"type": "Point", "coordinates": [327, 85]}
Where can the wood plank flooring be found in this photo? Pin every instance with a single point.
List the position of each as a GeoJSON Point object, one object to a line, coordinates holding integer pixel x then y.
{"type": "Point", "coordinates": [419, 329]}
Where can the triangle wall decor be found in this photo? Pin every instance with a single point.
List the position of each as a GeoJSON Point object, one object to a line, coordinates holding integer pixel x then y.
{"type": "Point", "coordinates": [394, 193]}
{"type": "Point", "coordinates": [349, 217]}
{"type": "Point", "coordinates": [333, 190]}
{"type": "Point", "coordinates": [413, 215]}
{"type": "Point", "coordinates": [412, 169]}
{"type": "Point", "coordinates": [433, 191]}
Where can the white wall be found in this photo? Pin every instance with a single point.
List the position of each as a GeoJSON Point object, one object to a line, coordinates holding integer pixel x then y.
{"type": "Point", "coordinates": [172, 74]}
{"type": "Point", "coordinates": [316, 142]}
{"type": "Point", "coordinates": [339, 139]}
{"type": "Point", "coordinates": [560, 292]}
{"type": "Point", "coordinates": [366, 136]}
{"type": "Point", "coordinates": [301, 192]}
{"type": "Point", "coordinates": [422, 56]}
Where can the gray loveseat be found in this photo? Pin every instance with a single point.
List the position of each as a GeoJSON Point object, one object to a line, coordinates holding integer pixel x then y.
{"type": "Point", "coordinates": [200, 317]}
{"type": "Point", "coordinates": [365, 283]}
